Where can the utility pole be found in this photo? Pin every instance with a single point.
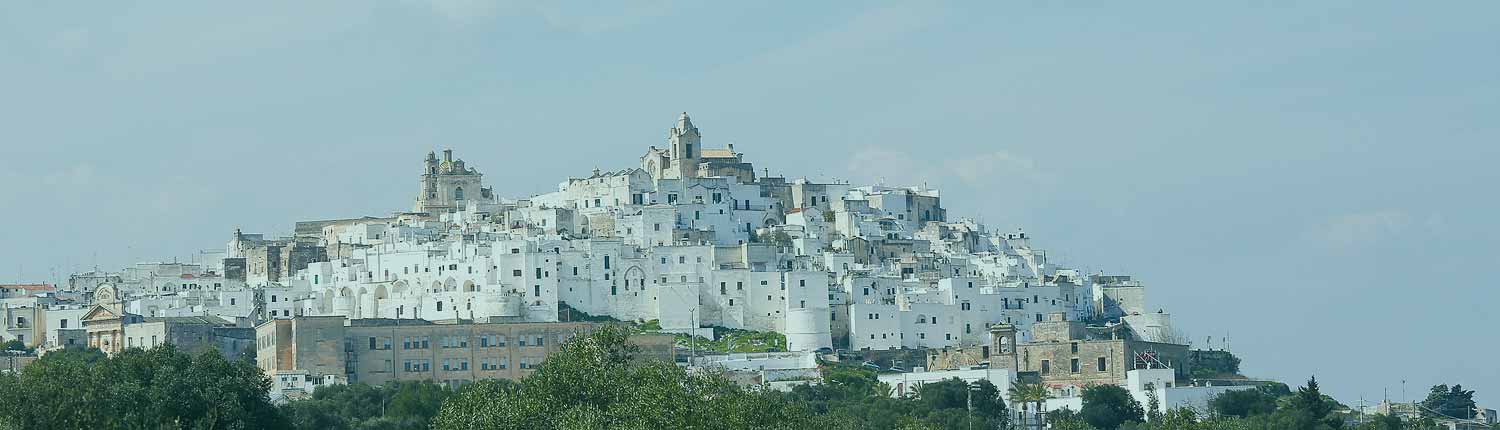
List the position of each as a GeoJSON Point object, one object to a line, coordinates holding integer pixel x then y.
{"type": "Point", "coordinates": [1361, 419]}
{"type": "Point", "coordinates": [970, 399]}
{"type": "Point", "coordinates": [693, 336]}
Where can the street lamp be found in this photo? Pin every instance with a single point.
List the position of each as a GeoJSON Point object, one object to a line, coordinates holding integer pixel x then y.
{"type": "Point", "coordinates": [972, 387]}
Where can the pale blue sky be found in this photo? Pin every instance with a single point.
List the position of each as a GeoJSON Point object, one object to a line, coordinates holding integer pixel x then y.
{"type": "Point", "coordinates": [1315, 180]}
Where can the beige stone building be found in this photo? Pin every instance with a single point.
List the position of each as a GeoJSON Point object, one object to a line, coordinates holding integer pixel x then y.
{"type": "Point", "coordinates": [110, 329]}
{"type": "Point", "coordinates": [304, 352]}
{"type": "Point", "coordinates": [192, 335]}
{"type": "Point", "coordinates": [447, 185]}
{"type": "Point", "coordinates": [1067, 356]}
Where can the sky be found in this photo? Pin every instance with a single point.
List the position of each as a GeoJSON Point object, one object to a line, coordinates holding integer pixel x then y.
{"type": "Point", "coordinates": [1315, 181]}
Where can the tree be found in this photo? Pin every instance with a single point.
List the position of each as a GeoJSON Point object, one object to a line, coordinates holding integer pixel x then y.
{"type": "Point", "coordinates": [156, 388]}
{"type": "Point", "coordinates": [1107, 406]}
{"type": "Point", "coordinates": [1452, 402]}
{"type": "Point", "coordinates": [395, 405]}
{"type": "Point", "coordinates": [1383, 422]}
{"type": "Point", "coordinates": [950, 401]}
{"type": "Point", "coordinates": [1309, 409]}
{"type": "Point", "coordinates": [1244, 403]}
{"type": "Point", "coordinates": [593, 383]}
{"type": "Point", "coordinates": [1066, 419]}
{"type": "Point", "coordinates": [1029, 394]}
{"type": "Point", "coordinates": [15, 345]}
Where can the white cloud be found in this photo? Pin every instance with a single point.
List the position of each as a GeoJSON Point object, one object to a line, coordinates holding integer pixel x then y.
{"type": "Point", "coordinates": [985, 168]}
{"type": "Point", "coordinates": [870, 31]}
{"type": "Point", "coordinates": [577, 17]}
{"type": "Point", "coordinates": [464, 11]}
{"type": "Point", "coordinates": [887, 166]}
{"type": "Point", "coordinates": [895, 167]}
{"type": "Point", "coordinates": [77, 175]}
{"type": "Point", "coordinates": [1363, 228]}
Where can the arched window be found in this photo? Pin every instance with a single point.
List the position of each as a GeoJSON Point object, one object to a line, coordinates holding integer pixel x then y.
{"type": "Point", "coordinates": [458, 193]}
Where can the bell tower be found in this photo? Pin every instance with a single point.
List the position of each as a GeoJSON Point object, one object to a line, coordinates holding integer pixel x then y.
{"type": "Point", "coordinates": [685, 146]}
{"type": "Point", "coordinates": [1004, 347]}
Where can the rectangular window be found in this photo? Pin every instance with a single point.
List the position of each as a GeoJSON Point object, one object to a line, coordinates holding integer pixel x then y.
{"type": "Point", "coordinates": [1046, 367]}
{"type": "Point", "coordinates": [372, 342]}
{"type": "Point", "coordinates": [1073, 365]}
{"type": "Point", "coordinates": [1102, 366]}
{"type": "Point", "coordinates": [1074, 346]}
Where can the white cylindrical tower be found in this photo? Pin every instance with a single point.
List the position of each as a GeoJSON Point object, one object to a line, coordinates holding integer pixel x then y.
{"type": "Point", "coordinates": [808, 329]}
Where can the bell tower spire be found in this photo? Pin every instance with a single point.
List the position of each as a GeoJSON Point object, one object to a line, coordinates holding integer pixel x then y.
{"type": "Point", "coordinates": [685, 143]}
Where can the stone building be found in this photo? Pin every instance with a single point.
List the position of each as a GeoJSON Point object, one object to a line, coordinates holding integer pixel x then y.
{"type": "Point", "coordinates": [726, 162]}
{"type": "Point", "coordinates": [1119, 296]}
{"type": "Point", "coordinates": [108, 327]}
{"type": "Point", "coordinates": [191, 335]}
{"type": "Point", "coordinates": [22, 324]}
{"type": "Point", "coordinates": [302, 351]}
{"type": "Point", "coordinates": [680, 159]}
{"type": "Point", "coordinates": [447, 185]}
{"type": "Point", "coordinates": [263, 261]}
{"type": "Point", "coordinates": [104, 324]}
{"type": "Point", "coordinates": [24, 290]}
{"type": "Point", "coordinates": [1068, 356]}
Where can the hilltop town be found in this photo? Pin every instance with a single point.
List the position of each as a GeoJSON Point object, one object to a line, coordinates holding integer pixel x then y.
{"type": "Point", "coordinates": [714, 263]}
